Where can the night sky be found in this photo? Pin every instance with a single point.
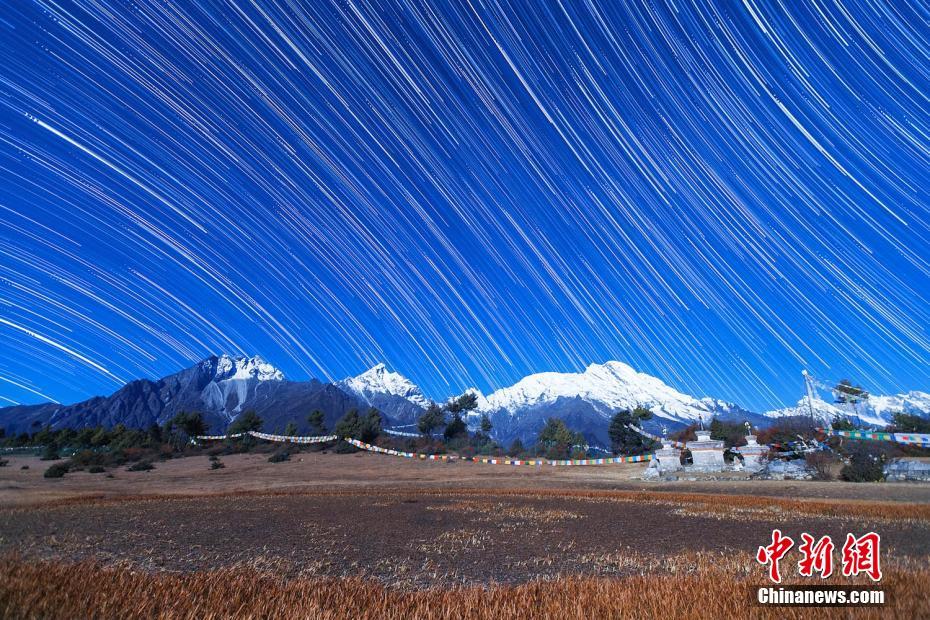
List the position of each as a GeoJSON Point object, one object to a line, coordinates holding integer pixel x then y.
{"type": "Point", "coordinates": [470, 192]}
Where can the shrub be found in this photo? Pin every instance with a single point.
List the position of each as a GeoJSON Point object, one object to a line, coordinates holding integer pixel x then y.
{"type": "Point", "coordinates": [280, 457]}
{"type": "Point", "coordinates": [214, 457]}
{"type": "Point", "coordinates": [88, 458]}
{"type": "Point", "coordinates": [4, 462]}
{"type": "Point", "coordinates": [24, 467]}
{"type": "Point", "coordinates": [788, 430]}
{"type": "Point", "coordinates": [140, 466]}
{"type": "Point", "coordinates": [865, 464]}
{"type": "Point", "coordinates": [58, 470]}
{"type": "Point", "coordinates": [217, 464]}
{"type": "Point", "coordinates": [50, 453]}
{"type": "Point", "coordinates": [96, 469]}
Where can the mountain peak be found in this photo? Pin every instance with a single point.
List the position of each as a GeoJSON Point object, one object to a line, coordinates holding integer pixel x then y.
{"type": "Point", "coordinates": [378, 380]}
{"type": "Point", "coordinates": [613, 384]}
{"type": "Point", "coordinates": [233, 367]}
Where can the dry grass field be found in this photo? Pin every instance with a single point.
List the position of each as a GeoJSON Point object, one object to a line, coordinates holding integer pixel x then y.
{"type": "Point", "coordinates": [349, 536]}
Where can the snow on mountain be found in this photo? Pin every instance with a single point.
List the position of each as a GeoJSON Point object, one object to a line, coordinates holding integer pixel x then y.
{"type": "Point", "coordinates": [234, 380]}
{"type": "Point", "coordinates": [227, 368]}
{"type": "Point", "coordinates": [613, 385]}
{"type": "Point", "coordinates": [876, 411]}
{"type": "Point", "coordinates": [379, 382]}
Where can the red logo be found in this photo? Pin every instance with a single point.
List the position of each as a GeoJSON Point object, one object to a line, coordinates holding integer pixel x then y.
{"type": "Point", "coordinates": [773, 553]}
{"type": "Point", "coordinates": [817, 557]}
{"type": "Point", "coordinates": [860, 555]}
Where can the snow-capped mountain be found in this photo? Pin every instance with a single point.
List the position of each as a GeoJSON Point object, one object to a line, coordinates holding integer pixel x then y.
{"type": "Point", "coordinates": [614, 385]}
{"type": "Point", "coordinates": [876, 411]}
{"type": "Point", "coordinates": [588, 399]}
{"type": "Point", "coordinates": [233, 381]}
{"type": "Point", "coordinates": [390, 392]}
{"type": "Point", "coordinates": [226, 368]}
{"type": "Point", "coordinates": [222, 387]}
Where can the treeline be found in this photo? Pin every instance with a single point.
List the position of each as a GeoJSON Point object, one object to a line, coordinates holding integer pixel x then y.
{"type": "Point", "coordinates": [441, 429]}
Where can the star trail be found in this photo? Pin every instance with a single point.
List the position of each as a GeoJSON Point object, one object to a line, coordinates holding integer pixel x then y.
{"type": "Point", "coordinates": [717, 194]}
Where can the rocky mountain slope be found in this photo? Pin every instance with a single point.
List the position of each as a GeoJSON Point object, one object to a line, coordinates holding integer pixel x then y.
{"type": "Point", "coordinates": [220, 387]}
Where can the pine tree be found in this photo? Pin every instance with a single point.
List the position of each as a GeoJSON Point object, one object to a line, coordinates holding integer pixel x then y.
{"type": "Point", "coordinates": [558, 439]}
{"type": "Point", "coordinates": [431, 420]}
{"type": "Point", "coordinates": [246, 422]}
{"type": "Point", "coordinates": [316, 420]}
{"type": "Point", "coordinates": [623, 439]}
{"type": "Point", "coordinates": [456, 427]}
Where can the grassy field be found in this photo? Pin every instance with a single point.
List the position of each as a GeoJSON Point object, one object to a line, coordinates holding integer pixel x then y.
{"type": "Point", "coordinates": [348, 536]}
{"type": "Point", "coordinates": [693, 588]}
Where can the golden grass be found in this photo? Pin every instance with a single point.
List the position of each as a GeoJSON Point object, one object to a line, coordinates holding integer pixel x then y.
{"type": "Point", "coordinates": [696, 588]}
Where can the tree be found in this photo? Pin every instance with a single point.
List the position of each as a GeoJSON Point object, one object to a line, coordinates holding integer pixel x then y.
{"type": "Point", "coordinates": [155, 435]}
{"type": "Point", "coordinates": [361, 427]}
{"type": "Point", "coordinates": [558, 439]}
{"type": "Point", "coordinates": [246, 422]}
{"type": "Point", "coordinates": [371, 425]}
{"type": "Point", "coordinates": [431, 420]}
{"type": "Point", "coordinates": [623, 439]}
{"type": "Point", "coordinates": [291, 429]}
{"type": "Point", "coordinates": [732, 433]}
{"type": "Point", "coordinates": [486, 425]}
{"type": "Point", "coordinates": [191, 424]}
{"type": "Point", "coordinates": [456, 428]}
{"type": "Point", "coordinates": [463, 404]}
{"type": "Point", "coordinates": [316, 420]}
{"type": "Point", "coordinates": [909, 423]}
{"type": "Point", "coordinates": [44, 436]}
{"type": "Point", "coordinates": [100, 438]}
{"type": "Point", "coordinates": [516, 448]}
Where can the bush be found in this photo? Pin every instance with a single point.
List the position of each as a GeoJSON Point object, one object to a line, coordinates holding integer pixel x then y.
{"type": "Point", "coordinates": [96, 469]}
{"type": "Point", "coordinates": [214, 457]}
{"type": "Point", "coordinates": [823, 464]}
{"type": "Point", "coordinates": [866, 464]}
{"type": "Point", "coordinates": [141, 466]}
{"type": "Point", "coordinates": [24, 467]}
{"type": "Point", "coordinates": [4, 462]}
{"type": "Point", "coordinates": [217, 464]}
{"type": "Point", "coordinates": [88, 458]}
{"type": "Point", "coordinates": [50, 453]}
{"type": "Point", "coordinates": [58, 470]}
{"type": "Point", "coordinates": [280, 457]}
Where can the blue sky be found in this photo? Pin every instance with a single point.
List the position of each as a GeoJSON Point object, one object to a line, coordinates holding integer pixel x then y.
{"type": "Point", "coordinates": [469, 192]}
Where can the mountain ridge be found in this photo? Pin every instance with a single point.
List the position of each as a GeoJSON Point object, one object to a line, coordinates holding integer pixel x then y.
{"type": "Point", "coordinates": [223, 386]}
